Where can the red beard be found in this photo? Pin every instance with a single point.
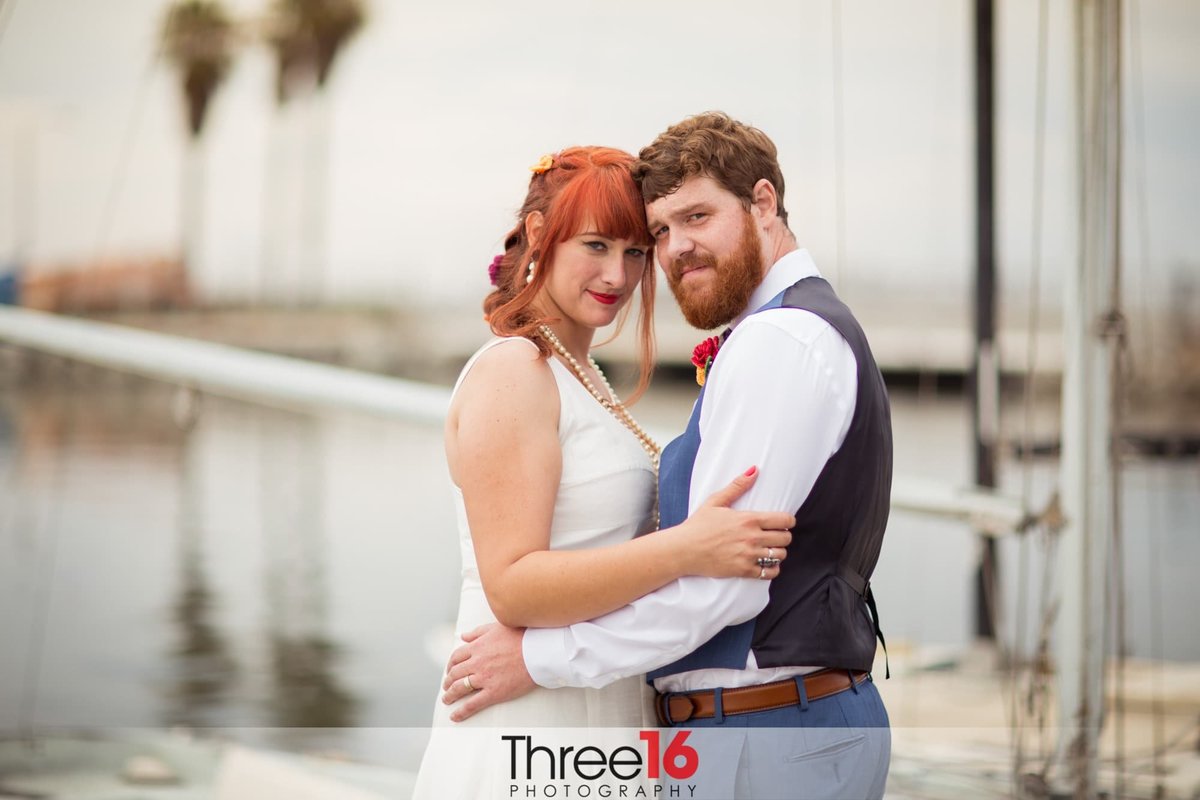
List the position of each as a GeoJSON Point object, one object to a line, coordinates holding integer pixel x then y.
{"type": "Point", "coordinates": [735, 277]}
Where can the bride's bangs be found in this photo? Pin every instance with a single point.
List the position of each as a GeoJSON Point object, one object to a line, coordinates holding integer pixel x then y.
{"type": "Point", "coordinates": [608, 198]}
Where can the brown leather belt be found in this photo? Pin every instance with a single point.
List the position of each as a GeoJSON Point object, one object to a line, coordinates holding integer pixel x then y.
{"type": "Point", "coordinates": [675, 708]}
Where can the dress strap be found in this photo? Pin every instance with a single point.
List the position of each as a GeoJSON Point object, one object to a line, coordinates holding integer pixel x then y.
{"type": "Point", "coordinates": [488, 345]}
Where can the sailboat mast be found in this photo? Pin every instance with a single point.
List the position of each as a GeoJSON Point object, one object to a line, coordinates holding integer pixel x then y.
{"type": "Point", "coordinates": [985, 382]}
{"type": "Point", "coordinates": [1086, 467]}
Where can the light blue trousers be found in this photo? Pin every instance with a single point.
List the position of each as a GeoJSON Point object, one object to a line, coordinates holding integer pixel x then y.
{"type": "Point", "coordinates": [836, 747]}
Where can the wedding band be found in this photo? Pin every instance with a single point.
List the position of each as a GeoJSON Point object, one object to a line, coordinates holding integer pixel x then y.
{"type": "Point", "coordinates": [767, 562]}
{"type": "Point", "coordinates": [468, 684]}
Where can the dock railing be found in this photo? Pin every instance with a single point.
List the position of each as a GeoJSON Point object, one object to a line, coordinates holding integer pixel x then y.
{"type": "Point", "coordinates": [297, 384]}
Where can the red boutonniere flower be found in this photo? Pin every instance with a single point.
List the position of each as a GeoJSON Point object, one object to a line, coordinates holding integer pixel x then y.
{"type": "Point", "coordinates": [703, 357]}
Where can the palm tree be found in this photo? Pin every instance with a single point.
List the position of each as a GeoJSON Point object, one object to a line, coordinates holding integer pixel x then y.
{"type": "Point", "coordinates": [307, 37]}
{"type": "Point", "coordinates": [198, 38]}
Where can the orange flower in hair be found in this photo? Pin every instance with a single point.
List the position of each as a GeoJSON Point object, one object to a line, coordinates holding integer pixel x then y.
{"type": "Point", "coordinates": [543, 164]}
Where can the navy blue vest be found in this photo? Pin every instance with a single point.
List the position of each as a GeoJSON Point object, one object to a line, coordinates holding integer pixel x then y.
{"type": "Point", "coordinates": [821, 611]}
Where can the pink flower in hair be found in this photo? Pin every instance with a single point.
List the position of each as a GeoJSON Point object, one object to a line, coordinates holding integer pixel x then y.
{"type": "Point", "coordinates": [494, 269]}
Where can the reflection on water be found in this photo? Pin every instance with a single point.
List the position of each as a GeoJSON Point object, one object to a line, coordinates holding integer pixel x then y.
{"type": "Point", "coordinates": [200, 656]}
{"type": "Point", "coordinates": [201, 660]}
{"type": "Point", "coordinates": [304, 689]}
{"type": "Point", "coordinates": [244, 566]}
{"type": "Point", "coordinates": [255, 568]}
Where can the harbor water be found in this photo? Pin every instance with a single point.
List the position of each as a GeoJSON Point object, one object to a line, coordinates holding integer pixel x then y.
{"type": "Point", "coordinates": [168, 559]}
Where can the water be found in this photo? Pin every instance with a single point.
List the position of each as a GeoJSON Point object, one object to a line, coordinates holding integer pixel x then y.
{"type": "Point", "coordinates": [235, 565]}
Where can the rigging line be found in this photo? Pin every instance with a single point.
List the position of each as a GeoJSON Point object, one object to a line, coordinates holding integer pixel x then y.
{"type": "Point", "coordinates": [839, 147]}
{"type": "Point", "coordinates": [1095, 178]}
{"type": "Point", "coordinates": [1033, 325]}
{"type": "Point", "coordinates": [1117, 342]}
{"type": "Point", "coordinates": [1157, 645]}
{"type": "Point", "coordinates": [44, 576]}
{"type": "Point", "coordinates": [10, 477]}
{"type": "Point", "coordinates": [1016, 664]}
{"type": "Point", "coordinates": [121, 170]}
{"type": "Point", "coordinates": [1073, 751]}
{"type": "Point", "coordinates": [1137, 88]}
{"type": "Point", "coordinates": [1117, 577]}
{"type": "Point", "coordinates": [1040, 679]}
{"type": "Point", "coordinates": [7, 9]}
{"type": "Point", "coordinates": [11, 495]}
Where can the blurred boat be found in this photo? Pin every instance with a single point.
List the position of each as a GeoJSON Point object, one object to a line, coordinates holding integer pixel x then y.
{"type": "Point", "coordinates": [145, 284]}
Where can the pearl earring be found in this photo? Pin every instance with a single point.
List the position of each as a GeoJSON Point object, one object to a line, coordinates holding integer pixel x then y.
{"type": "Point", "coordinates": [532, 267]}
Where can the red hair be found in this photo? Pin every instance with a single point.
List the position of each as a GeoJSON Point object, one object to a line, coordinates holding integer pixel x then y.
{"type": "Point", "coordinates": [583, 184]}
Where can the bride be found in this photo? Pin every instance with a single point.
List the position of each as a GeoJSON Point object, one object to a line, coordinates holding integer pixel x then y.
{"type": "Point", "coordinates": [554, 479]}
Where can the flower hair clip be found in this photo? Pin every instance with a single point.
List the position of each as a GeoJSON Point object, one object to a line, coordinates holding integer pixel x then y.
{"type": "Point", "coordinates": [544, 164]}
{"type": "Point", "coordinates": [494, 270]}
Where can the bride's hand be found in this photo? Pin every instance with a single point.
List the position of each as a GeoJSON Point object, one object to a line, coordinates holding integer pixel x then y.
{"type": "Point", "coordinates": [720, 542]}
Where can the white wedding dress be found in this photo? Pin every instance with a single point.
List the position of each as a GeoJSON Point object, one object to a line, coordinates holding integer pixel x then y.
{"type": "Point", "coordinates": [605, 496]}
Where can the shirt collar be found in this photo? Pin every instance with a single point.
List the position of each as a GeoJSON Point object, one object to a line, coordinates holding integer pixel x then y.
{"type": "Point", "coordinates": [794, 266]}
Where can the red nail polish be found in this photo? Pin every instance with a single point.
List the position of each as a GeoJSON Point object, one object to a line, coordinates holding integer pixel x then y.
{"type": "Point", "coordinates": [751, 471]}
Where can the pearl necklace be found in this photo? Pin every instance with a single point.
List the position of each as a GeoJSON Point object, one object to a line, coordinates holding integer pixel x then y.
{"type": "Point", "coordinates": [612, 402]}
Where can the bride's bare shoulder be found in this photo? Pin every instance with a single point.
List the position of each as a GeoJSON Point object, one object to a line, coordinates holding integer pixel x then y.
{"type": "Point", "coordinates": [510, 375]}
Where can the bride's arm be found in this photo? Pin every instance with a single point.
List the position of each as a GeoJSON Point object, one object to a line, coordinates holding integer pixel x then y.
{"type": "Point", "coordinates": [503, 446]}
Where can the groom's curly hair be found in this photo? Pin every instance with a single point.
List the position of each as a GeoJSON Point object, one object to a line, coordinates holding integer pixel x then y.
{"type": "Point", "coordinates": [713, 145]}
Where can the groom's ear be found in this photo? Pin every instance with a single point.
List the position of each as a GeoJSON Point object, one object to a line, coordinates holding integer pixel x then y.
{"type": "Point", "coordinates": [764, 199]}
{"type": "Point", "coordinates": [534, 222]}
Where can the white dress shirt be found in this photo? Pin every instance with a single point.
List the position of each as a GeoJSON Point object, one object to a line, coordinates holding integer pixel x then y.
{"type": "Point", "coordinates": [787, 421]}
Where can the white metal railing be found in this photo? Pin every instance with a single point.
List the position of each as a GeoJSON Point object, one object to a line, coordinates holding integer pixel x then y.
{"type": "Point", "coordinates": [223, 370]}
{"type": "Point", "coordinates": [304, 385]}
{"type": "Point", "coordinates": [986, 510]}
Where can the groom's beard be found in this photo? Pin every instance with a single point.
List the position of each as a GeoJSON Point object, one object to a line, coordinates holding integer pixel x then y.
{"type": "Point", "coordinates": [734, 279]}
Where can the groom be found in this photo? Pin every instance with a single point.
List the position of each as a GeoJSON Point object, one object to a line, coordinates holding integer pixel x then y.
{"type": "Point", "coordinates": [779, 670]}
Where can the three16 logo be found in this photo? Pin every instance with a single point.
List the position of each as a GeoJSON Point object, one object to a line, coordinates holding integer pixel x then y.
{"type": "Point", "coordinates": [677, 749]}
{"type": "Point", "coordinates": [678, 761]}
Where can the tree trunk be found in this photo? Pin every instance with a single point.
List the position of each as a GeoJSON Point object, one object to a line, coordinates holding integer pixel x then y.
{"type": "Point", "coordinates": [315, 211]}
{"type": "Point", "coordinates": [192, 218]}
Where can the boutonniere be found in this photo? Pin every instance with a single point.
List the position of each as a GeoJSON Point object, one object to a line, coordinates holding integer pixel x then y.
{"type": "Point", "coordinates": [703, 357]}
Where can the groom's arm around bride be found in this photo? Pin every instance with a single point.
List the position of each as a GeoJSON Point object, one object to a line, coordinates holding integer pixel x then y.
{"type": "Point", "coordinates": [794, 389]}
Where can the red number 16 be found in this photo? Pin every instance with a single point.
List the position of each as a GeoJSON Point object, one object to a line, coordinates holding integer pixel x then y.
{"type": "Point", "coordinates": [677, 749]}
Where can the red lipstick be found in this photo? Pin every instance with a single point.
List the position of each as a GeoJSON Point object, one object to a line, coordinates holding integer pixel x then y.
{"type": "Point", "coordinates": [606, 299]}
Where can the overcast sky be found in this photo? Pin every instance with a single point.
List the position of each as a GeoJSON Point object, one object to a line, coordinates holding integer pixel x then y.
{"type": "Point", "coordinates": [437, 110]}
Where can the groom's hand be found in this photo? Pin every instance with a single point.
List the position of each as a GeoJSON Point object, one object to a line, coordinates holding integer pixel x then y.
{"type": "Point", "coordinates": [492, 659]}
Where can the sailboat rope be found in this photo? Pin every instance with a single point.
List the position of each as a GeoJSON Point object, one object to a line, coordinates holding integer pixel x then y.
{"type": "Point", "coordinates": [1035, 691]}
{"type": "Point", "coordinates": [7, 9]}
{"type": "Point", "coordinates": [1113, 328]}
{"type": "Point", "coordinates": [839, 147]}
{"type": "Point", "coordinates": [125, 152]}
{"type": "Point", "coordinates": [1145, 264]}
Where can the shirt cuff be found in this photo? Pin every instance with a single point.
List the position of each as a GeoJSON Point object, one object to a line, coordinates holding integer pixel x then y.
{"type": "Point", "coordinates": [544, 651]}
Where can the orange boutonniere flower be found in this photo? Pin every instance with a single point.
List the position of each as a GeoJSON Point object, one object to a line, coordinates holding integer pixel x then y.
{"type": "Point", "coordinates": [543, 164]}
{"type": "Point", "coordinates": [703, 357]}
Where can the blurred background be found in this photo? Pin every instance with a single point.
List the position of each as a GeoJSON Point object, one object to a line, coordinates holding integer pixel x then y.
{"type": "Point", "coordinates": [329, 180]}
